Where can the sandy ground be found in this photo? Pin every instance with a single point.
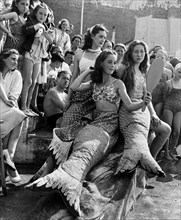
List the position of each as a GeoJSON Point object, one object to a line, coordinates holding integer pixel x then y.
{"type": "Point", "coordinates": [161, 200]}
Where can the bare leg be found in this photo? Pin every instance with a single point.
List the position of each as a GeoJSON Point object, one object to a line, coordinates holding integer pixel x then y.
{"type": "Point", "coordinates": [13, 139]}
{"type": "Point", "coordinates": [36, 71]}
{"type": "Point", "coordinates": [27, 81]}
{"type": "Point", "coordinates": [159, 109]}
{"type": "Point", "coordinates": [175, 134]}
{"type": "Point", "coordinates": [35, 95]}
{"type": "Point", "coordinates": [162, 131]}
{"type": "Point", "coordinates": [168, 118]}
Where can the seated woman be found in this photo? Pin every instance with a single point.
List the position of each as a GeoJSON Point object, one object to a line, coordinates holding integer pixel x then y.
{"type": "Point", "coordinates": [97, 138]}
{"type": "Point", "coordinates": [10, 89]}
{"type": "Point", "coordinates": [135, 125]}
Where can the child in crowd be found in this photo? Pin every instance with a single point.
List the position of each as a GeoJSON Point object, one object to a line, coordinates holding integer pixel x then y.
{"type": "Point", "coordinates": [10, 89]}
{"type": "Point", "coordinates": [172, 111]}
{"type": "Point", "coordinates": [16, 17]}
{"type": "Point", "coordinates": [157, 94]}
{"type": "Point", "coordinates": [55, 99]}
{"type": "Point", "coordinates": [62, 38]}
{"type": "Point", "coordinates": [37, 41]}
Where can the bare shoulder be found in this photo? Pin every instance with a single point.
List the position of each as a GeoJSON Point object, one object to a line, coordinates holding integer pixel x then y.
{"type": "Point", "coordinates": [79, 54]}
{"type": "Point", "coordinates": [119, 83]}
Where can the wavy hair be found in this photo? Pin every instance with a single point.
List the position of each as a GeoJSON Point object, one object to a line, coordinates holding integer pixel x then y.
{"type": "Point", "coordinates": [128, 74]}
{"type": "Point", "coordinates": [14, 8]}
{"type": "Point", "coordinates": [35, 10]}
{"type": "Point", "coordinates": [92, 31]}
{"type": "Point", "coordinates": [4, 55]}
{"type": "Point", "coordinates": [97, 74]}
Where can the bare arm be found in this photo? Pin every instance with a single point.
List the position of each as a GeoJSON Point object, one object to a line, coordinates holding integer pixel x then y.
{"type": "Point", "coordinates": [75, 72]}
{"type": "Point", "coordinates": [130, 106]}
{"type": "Point", "coordinates": [77, 83]}
{"type": "Point", "coordinates": [59, 102]}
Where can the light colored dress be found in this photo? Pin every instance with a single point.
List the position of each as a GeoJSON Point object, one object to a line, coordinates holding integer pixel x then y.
{"type": "Point", "coordinates": [12, 116]}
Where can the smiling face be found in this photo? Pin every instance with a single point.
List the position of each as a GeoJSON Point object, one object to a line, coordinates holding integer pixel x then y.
{"type": "Point", "coordinates": [11, 61]}
{"type": "Point", "coordinates": [138, 53]}
{"type": "Point", "coordinates": [41, 15]}
{"type": "Point", "coordinates": [109, 64]}
{"type": "Point", "coordinates": [23, 6]}
{"type": "Point", "coordinates": [64, 26]}
{"type": "Point", "coordinates": [98, 39]}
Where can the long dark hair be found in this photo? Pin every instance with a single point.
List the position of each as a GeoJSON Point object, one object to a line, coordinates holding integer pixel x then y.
{"type": "Point", "coordinates": [4, 55]}
{"type": "Point", "coordinates": [128, 74]}
{"type": "Point", "coordinates": [92, 31]}
{"type": "Point", "coordinates": [96, 75]}
{"type": "Point", "coordinates": [14, 8]}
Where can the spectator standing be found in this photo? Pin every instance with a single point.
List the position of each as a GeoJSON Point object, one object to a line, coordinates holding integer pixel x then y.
{"type": "Point", "coordinates": [37, 41]}
{"type": "Point", "coordinates": [61, 37]}
{"type": "Point", "coordinates": [16, 19]}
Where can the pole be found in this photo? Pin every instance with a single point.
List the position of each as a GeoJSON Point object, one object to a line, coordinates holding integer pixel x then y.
{"type": "Point", "coordinates": [82, 18]}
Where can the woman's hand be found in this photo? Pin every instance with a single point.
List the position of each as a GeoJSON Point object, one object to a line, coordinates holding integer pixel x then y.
{"type": "Point", "coordinates": [13, 38]}
{"type": "Point", "coordinates": [155, 121]}
{"type": "Point", "coordinates": [147, 98]}
{"type": "Point", "coordinates": [10, 103]}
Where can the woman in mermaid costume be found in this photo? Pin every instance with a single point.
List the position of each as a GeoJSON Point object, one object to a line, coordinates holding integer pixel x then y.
{"type": "Point", "coordinates": [97, 138]}
{"type": "Point", "coordinates": [135, 125]}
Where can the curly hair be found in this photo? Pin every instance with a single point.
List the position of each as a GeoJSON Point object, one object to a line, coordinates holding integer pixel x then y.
{"type": "Point", "coordinates": [128, 62]}
{"type": "Point", "coordinates": [92, 31]}
{"type": "Point", "coordinates": [97, 74]}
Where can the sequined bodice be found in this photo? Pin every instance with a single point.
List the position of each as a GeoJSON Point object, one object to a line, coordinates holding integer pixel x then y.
{"type": "Point", "coordinates": [106, 93]}
{"type": "Point", "coordinates": [138, 91]}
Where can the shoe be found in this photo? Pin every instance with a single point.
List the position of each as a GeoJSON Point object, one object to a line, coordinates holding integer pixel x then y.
{"type": "Point", "coordinates": [14, 176]}
{"type": "Point", "coordinates": [32, 112]}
